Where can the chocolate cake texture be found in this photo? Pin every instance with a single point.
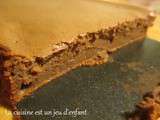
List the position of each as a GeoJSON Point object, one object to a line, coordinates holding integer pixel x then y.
{"type": "Point", "coordinates": [41, 41]}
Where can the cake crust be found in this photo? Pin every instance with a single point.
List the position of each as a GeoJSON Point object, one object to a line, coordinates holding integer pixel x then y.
{"type": "Point", "coordinates": [32, 30]}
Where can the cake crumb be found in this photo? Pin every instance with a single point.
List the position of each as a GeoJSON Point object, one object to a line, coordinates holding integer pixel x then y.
{"type": "Point", "coordinates": [36, 69]}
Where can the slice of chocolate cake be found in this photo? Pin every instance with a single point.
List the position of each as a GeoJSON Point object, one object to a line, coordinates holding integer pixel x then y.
{"type": "Point", "coordinates": [39, 41]}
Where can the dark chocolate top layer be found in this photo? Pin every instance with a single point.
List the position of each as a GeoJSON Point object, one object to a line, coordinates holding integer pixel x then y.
{"type": "Point", "coordinates": [32, 27]}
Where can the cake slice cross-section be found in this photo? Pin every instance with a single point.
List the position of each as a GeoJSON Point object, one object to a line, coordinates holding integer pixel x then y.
{"type": "Point", "coordinates": [41, 41]}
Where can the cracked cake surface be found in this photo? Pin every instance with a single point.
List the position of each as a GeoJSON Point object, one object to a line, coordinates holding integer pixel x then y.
{"type": "Point", "coordinates": [32, 29]}
{"type": "Point", "coordinates": [41, 41]}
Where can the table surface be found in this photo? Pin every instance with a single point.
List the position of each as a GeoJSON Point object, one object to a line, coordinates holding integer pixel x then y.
{"type": "Point", "coordinates": [153, 33]}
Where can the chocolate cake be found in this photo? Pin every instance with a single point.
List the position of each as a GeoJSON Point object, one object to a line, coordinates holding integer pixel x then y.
{"type": "Point", "coordinates": [41, 41]}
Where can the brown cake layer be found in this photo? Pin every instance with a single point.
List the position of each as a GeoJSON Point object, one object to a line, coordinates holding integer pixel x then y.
{"type": "Point", "coordinates": [41, 41]}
